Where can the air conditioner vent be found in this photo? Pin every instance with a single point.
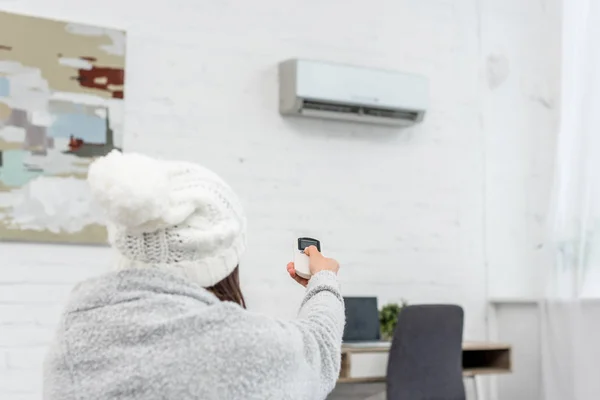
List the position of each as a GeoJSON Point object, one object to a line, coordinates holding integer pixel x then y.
{"type": "Point", "coordinates": [359, 110]}
{"type": "Point", "coordinates": [329, 107]}
{"type": "Point", "coordinates": [394, 114]}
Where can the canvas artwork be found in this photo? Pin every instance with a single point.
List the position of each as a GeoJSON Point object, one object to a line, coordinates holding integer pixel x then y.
{"type": "Point", "coordinates": [61, 106]}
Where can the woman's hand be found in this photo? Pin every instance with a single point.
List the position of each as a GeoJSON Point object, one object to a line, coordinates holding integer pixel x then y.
{"type": "Point", "coordinates": [317, 263]}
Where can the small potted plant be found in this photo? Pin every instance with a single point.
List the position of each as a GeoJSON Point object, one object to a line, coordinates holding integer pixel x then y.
{"type": "Point", "coordinates": [388, 318]}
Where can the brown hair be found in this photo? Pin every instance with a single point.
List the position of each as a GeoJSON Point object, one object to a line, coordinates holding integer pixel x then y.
{"type": "Point", "coordinates": [229, 289]}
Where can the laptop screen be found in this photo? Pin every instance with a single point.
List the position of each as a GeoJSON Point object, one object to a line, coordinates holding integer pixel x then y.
{"type": "Point", "coordinates": [362, 319]}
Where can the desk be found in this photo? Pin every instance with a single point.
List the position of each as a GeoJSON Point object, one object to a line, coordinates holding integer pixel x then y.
{"type": "Point", "coordinates": [478, 359]}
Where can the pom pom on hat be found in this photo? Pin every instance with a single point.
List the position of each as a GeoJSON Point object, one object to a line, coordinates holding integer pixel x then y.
{"type": "Point", "coordinates": [192, 221]}
{"type": "Point", "coordinates": [132, 188]}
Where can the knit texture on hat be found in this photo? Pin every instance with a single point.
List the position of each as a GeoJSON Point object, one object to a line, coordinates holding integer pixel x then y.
{"type": "Point", "coordinates": [166, 214]}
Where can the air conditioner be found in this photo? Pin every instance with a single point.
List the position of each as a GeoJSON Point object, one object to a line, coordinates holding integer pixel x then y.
{"type": "Point", "coordinates": [349, 93]}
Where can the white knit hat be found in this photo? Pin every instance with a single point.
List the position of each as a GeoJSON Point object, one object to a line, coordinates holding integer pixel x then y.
{"type": "Point", "coordinates": [170, 214]}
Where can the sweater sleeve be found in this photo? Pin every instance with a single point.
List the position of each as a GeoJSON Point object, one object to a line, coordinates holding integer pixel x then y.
{"type": "Point", "coordinates": [321, 322]}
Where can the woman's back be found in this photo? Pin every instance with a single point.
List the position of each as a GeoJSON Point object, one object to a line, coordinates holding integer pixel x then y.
{"type": "Point", "coordinates": [147, 334]}
{"type": "Point", "coordinates": [171, 323]}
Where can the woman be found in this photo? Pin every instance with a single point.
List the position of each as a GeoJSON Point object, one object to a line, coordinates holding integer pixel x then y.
{"type": "Point", "coordinates": [170, 321]}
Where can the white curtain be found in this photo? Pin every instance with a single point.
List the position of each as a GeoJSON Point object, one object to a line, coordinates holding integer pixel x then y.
{"type": "Point", "coordinates": [571, 310]}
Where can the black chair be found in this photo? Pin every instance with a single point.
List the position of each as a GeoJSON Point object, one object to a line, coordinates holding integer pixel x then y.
{"type": "Point", "coordinates": [425, 361]}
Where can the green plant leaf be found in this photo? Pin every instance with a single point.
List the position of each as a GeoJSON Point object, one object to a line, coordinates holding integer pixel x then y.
{"type": "Point", "coordinates": [388, 318]}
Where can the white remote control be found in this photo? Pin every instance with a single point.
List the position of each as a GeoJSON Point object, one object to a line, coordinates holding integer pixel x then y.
{"type": "Point", "coordinates": [301, 260]}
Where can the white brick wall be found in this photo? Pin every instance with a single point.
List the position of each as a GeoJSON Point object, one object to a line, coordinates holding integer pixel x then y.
{"type": "Point", "coordinates": [406, 212]}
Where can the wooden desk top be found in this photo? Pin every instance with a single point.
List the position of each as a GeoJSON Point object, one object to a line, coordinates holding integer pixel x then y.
{"type": "Point", "coordinates": [475, 346]}
{"type": "Point", "coordinates": [385, 347]}
{"type": "Point", "coordinates": [479, 358]}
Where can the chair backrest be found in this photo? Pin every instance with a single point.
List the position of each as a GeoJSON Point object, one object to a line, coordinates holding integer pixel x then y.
{"type": "Point", "coordinates": [425, 360]}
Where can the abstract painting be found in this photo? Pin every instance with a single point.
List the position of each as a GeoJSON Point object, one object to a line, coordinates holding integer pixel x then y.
{"type": "Point", "coordinates": [61, 106]}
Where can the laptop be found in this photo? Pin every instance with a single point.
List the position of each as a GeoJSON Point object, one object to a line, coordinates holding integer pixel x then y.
{"type": "Point", "coordinates": [362, 323]}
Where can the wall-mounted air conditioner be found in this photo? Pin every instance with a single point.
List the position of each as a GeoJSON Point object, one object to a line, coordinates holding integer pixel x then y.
{"type": "Point", "coordinates": [343, 92]}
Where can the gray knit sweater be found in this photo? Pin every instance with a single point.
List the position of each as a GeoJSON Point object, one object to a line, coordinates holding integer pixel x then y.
{"type": "Point", "coordinates": [147, 334]}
